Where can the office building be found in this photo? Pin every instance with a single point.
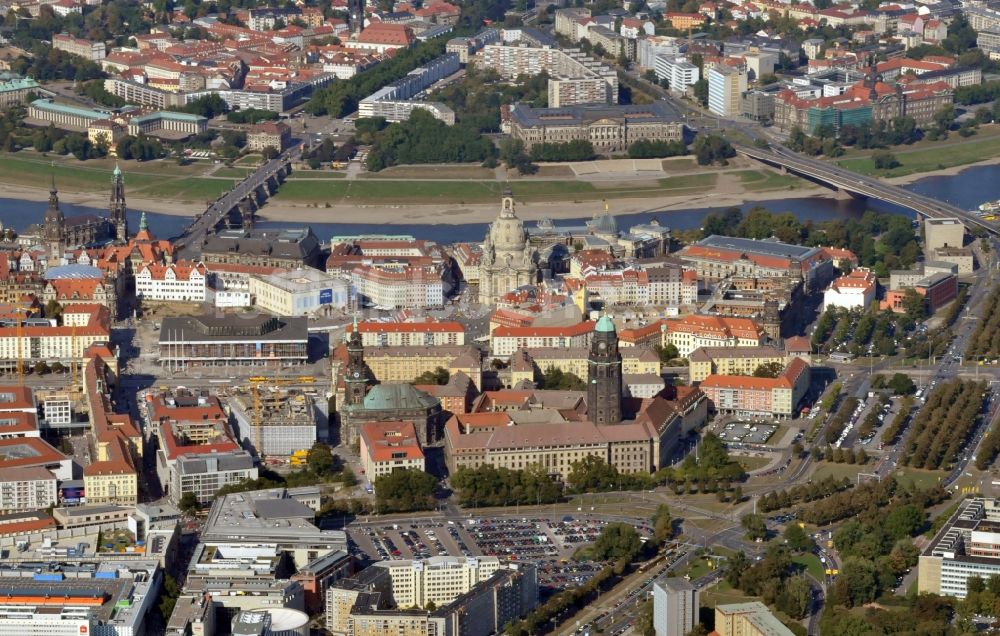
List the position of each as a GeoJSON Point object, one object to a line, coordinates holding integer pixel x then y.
{"type": "Point", "coordinates": [300, 292]}
{"type": "Point", "coordinates": [280, 517]}
{"type": "Point", "coordinates": [675, 607]}
{"type": "Point", "coordinates": [937, 289]}
{"type": "Point", "coordinates": [725, 86]}
{"type": "Point", "coordinates": [205, 474]}
{"type": "Point", "coordinates": [677, 71]}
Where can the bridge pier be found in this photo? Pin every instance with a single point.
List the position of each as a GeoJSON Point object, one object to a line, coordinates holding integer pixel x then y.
{"type": "Point", "coordinates": [272, 185]}
{"type": "Point", "coordinates": [843, 195]}
{"type": "Point", "coordinates": [783, 170]}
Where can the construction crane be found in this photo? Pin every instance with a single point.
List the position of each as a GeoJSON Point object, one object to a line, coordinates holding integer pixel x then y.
{"type": "Point", "coordinates": [255, 382]}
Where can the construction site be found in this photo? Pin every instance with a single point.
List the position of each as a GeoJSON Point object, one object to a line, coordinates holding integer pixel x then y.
{"type": "Point", "coordinates": [279, 423]}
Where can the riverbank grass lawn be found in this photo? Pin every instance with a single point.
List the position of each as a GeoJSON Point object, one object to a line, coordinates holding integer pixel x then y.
{"type": "Point", "coordinates": [928, 156]}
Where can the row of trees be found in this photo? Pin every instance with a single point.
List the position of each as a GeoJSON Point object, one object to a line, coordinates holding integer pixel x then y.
{"type": "Point", "coordinates": [829, 141]}
{"type": "Point", "coordinates": [988, 448]}
{"type": "Point", "coordinates": [491, 486]}
{"type": "Point", "coordinates": [647, 149]}
{"type": "Point", "coordinates": [942, 427]}
{"type": "Point", "coordinates": [840, 419]}
{"type": "Point", "coordinates": [575, 150]}
{"type": "Point", "coordinates": [891, 433]}
{"type": "Point", "coordinates": [839, 455]}
{"type": "Point", "coordinates": [803, 493]}
{"type": "Point", "coordinates": [985, 340]}
{"type": "Point", "coordinates": [251, 116]}
{"type": "Point", "coordinates": [405, 490]}
{"type": "Point", "coordinates": [871, 421]}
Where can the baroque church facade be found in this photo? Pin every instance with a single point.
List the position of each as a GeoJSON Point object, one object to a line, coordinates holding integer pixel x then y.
{"type": "Point", "coordinates": [509, 261]}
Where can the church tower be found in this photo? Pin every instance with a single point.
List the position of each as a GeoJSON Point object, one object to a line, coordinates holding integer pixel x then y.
{"type": "Point", "coordinates": [356, 8]}
{"type": "Point", "coordinates": [116, 208]}
{"type": "Point", "coordinates": [604, 375]}
{"type": "Point", "coordinates": [356, 376]}
{"type": "Point", "coordinates": [54, 227]}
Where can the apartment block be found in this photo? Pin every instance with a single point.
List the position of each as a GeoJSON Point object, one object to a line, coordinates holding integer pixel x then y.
{"type": "Point", "coordinates": [575, 78]}
{"type": "Point", "coordinates": [748, 396]}
{"type": "Point", "coordinates": [675, 607]}
{"type": "Point", "coordinates": [706, 361]}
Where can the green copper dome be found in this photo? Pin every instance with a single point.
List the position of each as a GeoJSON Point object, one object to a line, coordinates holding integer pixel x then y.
{"type": "Point", "coordinates": [605, 325]}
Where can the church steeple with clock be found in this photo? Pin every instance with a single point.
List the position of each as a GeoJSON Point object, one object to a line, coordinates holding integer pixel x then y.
{"type": "Point", "coordinates": [604, 375]}
{"type": "Point", "coordinates": [356, 377]}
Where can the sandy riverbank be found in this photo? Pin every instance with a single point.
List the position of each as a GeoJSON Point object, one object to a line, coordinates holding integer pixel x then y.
{"type": "Point", "coordinates": [726, 193]}
{"type": "Point", "coordinates": [99, 200]}
{"type": "Point", "coordinates": [443, 214]}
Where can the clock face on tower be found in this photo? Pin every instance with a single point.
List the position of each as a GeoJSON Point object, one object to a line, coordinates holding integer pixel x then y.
{"type": "Point", "coordinates": [356, 374]}
{"type": "Point", "coordinates": [602, 346]}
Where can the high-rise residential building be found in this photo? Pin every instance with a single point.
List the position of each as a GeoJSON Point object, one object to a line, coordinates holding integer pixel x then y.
{"type": "Point", "coordinates": [675, 607]}
{"type": "Point", "coordinates": [725, 85]}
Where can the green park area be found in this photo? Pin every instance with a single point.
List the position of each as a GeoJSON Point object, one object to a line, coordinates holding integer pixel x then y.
{"type": "Point", "coordinates": [760, 180]}
{"type": "Point", "coordinates": [927, 156]}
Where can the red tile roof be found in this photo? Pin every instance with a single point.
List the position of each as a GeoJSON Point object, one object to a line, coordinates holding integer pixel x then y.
{"type": "Point", "coordinates": [578, 329]}
{"type": "Point", "coordinates": [387, 441]}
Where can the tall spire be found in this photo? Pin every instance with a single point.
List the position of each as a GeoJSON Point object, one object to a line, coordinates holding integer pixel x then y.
{"type": "Point", "coordinates": [143, 224]}
{"type": "Point", "coordinates": [117, 211]}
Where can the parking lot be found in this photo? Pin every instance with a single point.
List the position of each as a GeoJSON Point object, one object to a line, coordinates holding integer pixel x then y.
{"type": "Point", "coordinates": [547, 543]}
{"type": "Point", "coordinates": [747, 432]}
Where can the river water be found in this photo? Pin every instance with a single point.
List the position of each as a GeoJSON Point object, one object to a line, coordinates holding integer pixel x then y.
{"type": "Point", "coordinates": [966, 190]}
